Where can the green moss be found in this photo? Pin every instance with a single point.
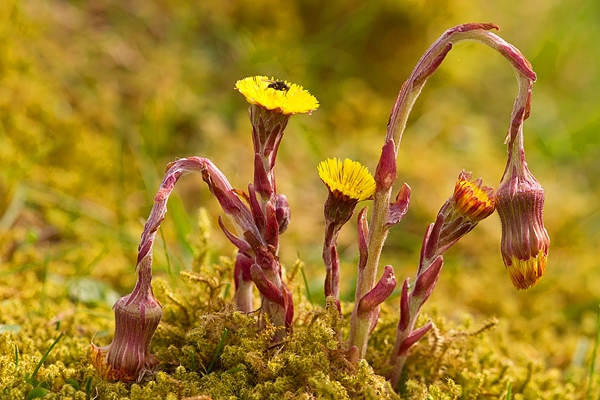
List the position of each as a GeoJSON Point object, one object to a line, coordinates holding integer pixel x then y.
{"type": "Point", "coordinates": [84, 139]}
{"type": "Point", "coordinates": [207, 348]}
{"type": "Point", "coordinates": [310, 361]}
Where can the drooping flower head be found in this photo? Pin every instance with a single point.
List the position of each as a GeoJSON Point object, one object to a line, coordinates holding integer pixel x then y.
{"type": "Point", "coordinates": [520, 204]}
{"type": "Point", "coordinates": [525, 241]}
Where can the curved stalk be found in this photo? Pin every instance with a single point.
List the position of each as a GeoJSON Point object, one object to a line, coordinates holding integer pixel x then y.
{"type": "Point", "coordinates": [407, 96]}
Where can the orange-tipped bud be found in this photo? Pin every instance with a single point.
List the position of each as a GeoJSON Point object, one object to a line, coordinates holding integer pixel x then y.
{"type": "Point", "coordinates": [472, 200]}
{"type": "Point", "coordinates": [470, 203]}
{"type": "Point", "coordinates": [525, 242]}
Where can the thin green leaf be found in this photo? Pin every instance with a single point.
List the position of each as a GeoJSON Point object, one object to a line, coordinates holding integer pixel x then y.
{"type": "Point", "coordinates": [233, 370]}
{"type": "Point", "coordinates": [218, 352]}
{"type": "Point", "coordinates": [37, 368]}
{"type": "Point", "coordinates": [593, 363]}
{"type": "Point", "coordinates": [226, 291]}
{"type": "Point", "coordinates": [44, 281]}
{"type": "Point", "coordinates": [88, 386]}
{"type": "Point", "coordinates": [193, 356]}
{"type": "Point", "coordinates": [308, 295]}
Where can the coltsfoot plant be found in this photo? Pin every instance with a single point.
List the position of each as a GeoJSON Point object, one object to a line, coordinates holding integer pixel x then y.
{"type": "Point", "coordinates": [261, 215]}
{"type": "Point", "coordinates": [208, 344]}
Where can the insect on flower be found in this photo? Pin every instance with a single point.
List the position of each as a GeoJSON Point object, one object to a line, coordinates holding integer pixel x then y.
{"type": "Point", "coordinates": [276, 96]}
{"type": "Point", "coordinates": [277, 85]}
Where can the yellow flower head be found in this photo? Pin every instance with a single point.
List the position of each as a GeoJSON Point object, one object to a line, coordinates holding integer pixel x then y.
{"type": "Point", "coordinates": [525, 273]}
{"type": "Point", "coordinates": [471, 199]}
{"type": "Point", "coordinates": [281, 96]}
{"type": "Point", "coordinates": [348, 180]}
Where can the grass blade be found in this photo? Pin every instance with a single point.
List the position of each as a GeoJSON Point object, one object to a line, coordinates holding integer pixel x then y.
{"type": "Point", "coordinates": [218, 352]}
{"type": "Point", "coordinates": [168, 260]}
{"type": "Point", "coordinates": [593, 363]}
{"type": "Point", "coordinates": [37, 368]}
{"type": "Point", "coordinates": [308, 295]}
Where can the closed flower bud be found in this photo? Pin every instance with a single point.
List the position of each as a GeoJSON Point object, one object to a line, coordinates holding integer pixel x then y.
{"type": "Point", "coordinates": [282, 212]}
{"type": "Point", "coordinates": [525, 242]}
{"type": "Point", "coordinates": [128, 357]}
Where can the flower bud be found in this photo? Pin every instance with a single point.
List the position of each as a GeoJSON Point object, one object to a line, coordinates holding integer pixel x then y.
{"type": "Point", "coordinates": [472, 200]}
{"type": "Point", "coordinates": [282, 212]}
{"type": "Point", "coordinates": [385, 174]}
{"type": "Point", "coordinates": [470, 203]}
{"type": "Point", "coordinates": [525, 242]}
{"type": "Point", "coordinates": [128, 357]}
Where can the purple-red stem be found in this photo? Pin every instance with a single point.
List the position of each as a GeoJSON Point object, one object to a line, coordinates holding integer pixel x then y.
{"type": "Point", "coordinates": [407, 96]}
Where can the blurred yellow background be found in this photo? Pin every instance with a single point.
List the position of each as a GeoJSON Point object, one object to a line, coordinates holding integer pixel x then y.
{"type": "Point", "coordinates": [96, 97]}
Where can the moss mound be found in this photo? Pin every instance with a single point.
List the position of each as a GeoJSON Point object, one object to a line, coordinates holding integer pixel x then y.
{"type": "Point", "coordinates": [206, 348]}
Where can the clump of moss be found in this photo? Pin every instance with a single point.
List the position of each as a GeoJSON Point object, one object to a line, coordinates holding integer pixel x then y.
{"type": "Point", "coordinates": [44, 340]}
{"type": "Point", "coordinates": [206, 348]}
{"type": "Point", "coordinates": [462, 359]}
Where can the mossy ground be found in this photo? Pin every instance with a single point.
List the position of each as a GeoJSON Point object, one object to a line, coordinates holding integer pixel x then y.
{"type": "Point", "coordinates": [97, 97]}
{"type": "Point", "coordinates": [207, 348]}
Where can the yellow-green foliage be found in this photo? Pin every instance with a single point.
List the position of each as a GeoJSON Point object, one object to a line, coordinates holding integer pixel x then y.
{"type": "Point", "coordinates": [208, 348]}
{"type": "Point", "coordinates": [460, 360]}
{"type": "Point", "coordinates": [97, 97]}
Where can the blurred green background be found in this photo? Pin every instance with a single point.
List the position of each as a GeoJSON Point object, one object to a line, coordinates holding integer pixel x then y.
{"type": "Point", "coordinates": [96, 97]}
